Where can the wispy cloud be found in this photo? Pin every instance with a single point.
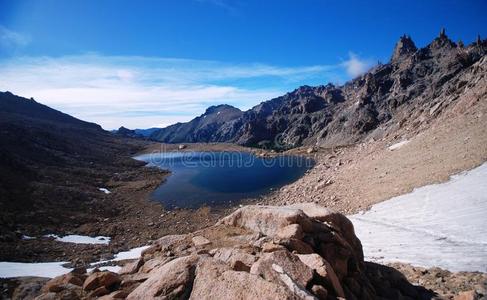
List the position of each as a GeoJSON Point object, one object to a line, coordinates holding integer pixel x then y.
{"type": "Point", "coordinates": [10, 39]}
{"type": "Point", "coordinates": [356, 66]}
{"type": "Point", "coordinates": [229, 6]}
{"type": "Point", "coordinates": [144, 92]}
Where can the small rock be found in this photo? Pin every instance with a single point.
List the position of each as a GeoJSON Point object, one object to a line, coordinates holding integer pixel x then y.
{"type": "Point", "coordinates": [468, 295]}
{"type": "Point", "coordinates": [131, 267]}
{"type": "Point", "coordinates": [200, 241]}
{"type": "Point", "coordinates": [99, 279]}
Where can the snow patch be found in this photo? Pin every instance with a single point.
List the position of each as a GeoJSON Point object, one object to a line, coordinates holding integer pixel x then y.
{"type": "Point", "coordinates": [16, 269]}
{"type": "Point", "coordinates": [398, 145]}
{"type": "Point", "coordinates": [53, 269]}
{"type": "Point", "coordinates": [81, 239]}
{"type": "Point", "coordinates": [26, 237]}
{"type": "Point", "coordinates": [442, 225]}
{"type": "Point", "coordinates": [130, 254]}
{"type": "Point", "coordinates": [105, 190]}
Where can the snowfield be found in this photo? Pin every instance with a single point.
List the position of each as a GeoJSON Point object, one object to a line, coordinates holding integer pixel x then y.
{"type": "Point", "coordinates": [442, 225]}
{"type": "Point", "coordinates": [53, 269]}
{"type": "Point", "coordinates": [16, 269]}
{"type": "Point", "coordinates": [81, 239]}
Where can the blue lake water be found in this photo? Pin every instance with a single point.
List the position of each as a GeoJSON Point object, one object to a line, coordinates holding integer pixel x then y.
{"type": "Point", "coordinates": [221, 178]}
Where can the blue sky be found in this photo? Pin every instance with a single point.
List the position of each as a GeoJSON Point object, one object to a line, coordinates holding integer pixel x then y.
{"type": "Point", "coordinates": [153, 63]}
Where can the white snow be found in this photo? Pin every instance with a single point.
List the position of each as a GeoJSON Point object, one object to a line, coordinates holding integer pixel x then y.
{"type": "Point", "coordinates": [53, 269]}
{"type": "Point", "coordinates": [443, 225]}
{"type": "Point", "coordinates": [26, 237]}
{"type": "Point", "coordinates": [398, 145]}
{"type": "Point", "coordinates": [81, 239]}
{"type": "Point", "coordinates": [15, 269]}
{"type": "Point", "coordinates": [130, 254]}
{"type": "Point", "coordinates": [105, 190]}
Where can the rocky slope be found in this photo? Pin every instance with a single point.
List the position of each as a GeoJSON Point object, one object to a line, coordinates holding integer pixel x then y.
{"type": "Point", "coordinates": [51, 168]}
{"type": "Point", "coordinates": [302, 251]}
{"type": "Point", "coordinates": [200, 129]}
{"type": "Point", "coordinates": [411, 89]}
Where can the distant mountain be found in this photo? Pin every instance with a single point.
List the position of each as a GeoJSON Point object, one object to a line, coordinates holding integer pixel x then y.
{"type": "Point", "coordinates": [200, 129]}
{"type": "Point", "coordinates": [409, 90]}
{"type": "Point", "coordinates": [146, 132]}
{"type": "Point", "coordinates": [135, 133]}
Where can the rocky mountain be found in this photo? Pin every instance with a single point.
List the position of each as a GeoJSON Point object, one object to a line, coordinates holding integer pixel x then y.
{"type": "Point", "coordinates": [146, 132]}
{"type": "Point", "coordinates": [409, 90]}
{"type": "Point", "coordinates": [135, 133]}
{"type": "Point", "coordinates": [125, 132]}
{"type": "Point", "coordinates": [201, 129]}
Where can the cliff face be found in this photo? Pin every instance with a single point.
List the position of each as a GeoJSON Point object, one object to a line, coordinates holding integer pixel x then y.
{"type": "Point", "coordinates": [409, 90]}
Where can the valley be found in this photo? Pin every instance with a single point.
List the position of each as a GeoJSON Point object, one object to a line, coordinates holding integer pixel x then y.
{"type": "Point", "coordinates": [74, 195]}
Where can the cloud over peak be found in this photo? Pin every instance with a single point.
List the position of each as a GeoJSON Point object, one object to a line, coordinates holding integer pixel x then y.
{"type": "Point", "coordinates": [142, 92]}
{"type": "Point", "coordinates": [356, 66]}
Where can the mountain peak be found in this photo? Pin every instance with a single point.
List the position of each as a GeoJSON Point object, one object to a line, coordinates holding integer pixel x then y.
{"type": "Point", "coordinates": [442, 41]}
{"type": "Point", "coordinates": [404, 47]}
{"type": "Point", "coordinates": [220, 107]}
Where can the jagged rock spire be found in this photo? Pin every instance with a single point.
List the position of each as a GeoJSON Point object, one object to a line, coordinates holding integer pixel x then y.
{"type": "Point", "coordinates": [442, 33]}
{"type": "Point", "coordinates": [404, 47]}
{"type": "Point", "coordinates": [442, 41]}
{"type": "Point", "coordinates": [478, 41]}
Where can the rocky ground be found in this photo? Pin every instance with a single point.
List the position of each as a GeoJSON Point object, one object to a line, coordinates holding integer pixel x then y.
{"type": "Point", "coordinates": [446, 284]}
{"type": "Point", "coordinates": [353, 178]}
{"type": "Point", "coordinates": [135, 222]}
{"type": "Point", "coordinates": [303, 251]}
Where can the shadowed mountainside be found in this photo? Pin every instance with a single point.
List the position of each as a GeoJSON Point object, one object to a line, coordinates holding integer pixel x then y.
{"type": "Point", "coordinates": [51, 164]}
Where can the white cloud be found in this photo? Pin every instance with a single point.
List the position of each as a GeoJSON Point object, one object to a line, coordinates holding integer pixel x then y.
{"type": "Point", "coordinates": [140, 92]}
{"type": "Point", "coordinates": [10, 39]}
{"type": "Point", "coordinates": [356, 66]}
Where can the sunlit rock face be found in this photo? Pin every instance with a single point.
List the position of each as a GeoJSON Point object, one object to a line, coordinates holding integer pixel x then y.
{"type": "Point", "coordinates": [301, 251]}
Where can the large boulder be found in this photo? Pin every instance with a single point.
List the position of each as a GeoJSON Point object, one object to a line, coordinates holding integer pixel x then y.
{"type": "Point", "coordinates": [301, 251]}
{"type": "Point", "coordinates": [105, 279]}
{"type": "Point", "coordinates": [58, 283]}
{"type": "Point", "coordinates": [267, 220]}
{"type": "Point", "coordinates": [288, 262]}
{"type": "Point", "coordinates": [170, 281]}
{"type": "Point", "coordinates": [215, 281]}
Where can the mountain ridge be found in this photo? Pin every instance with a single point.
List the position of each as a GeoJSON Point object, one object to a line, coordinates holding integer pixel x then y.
{"type": "Point", "coordinates": [369, 105]}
